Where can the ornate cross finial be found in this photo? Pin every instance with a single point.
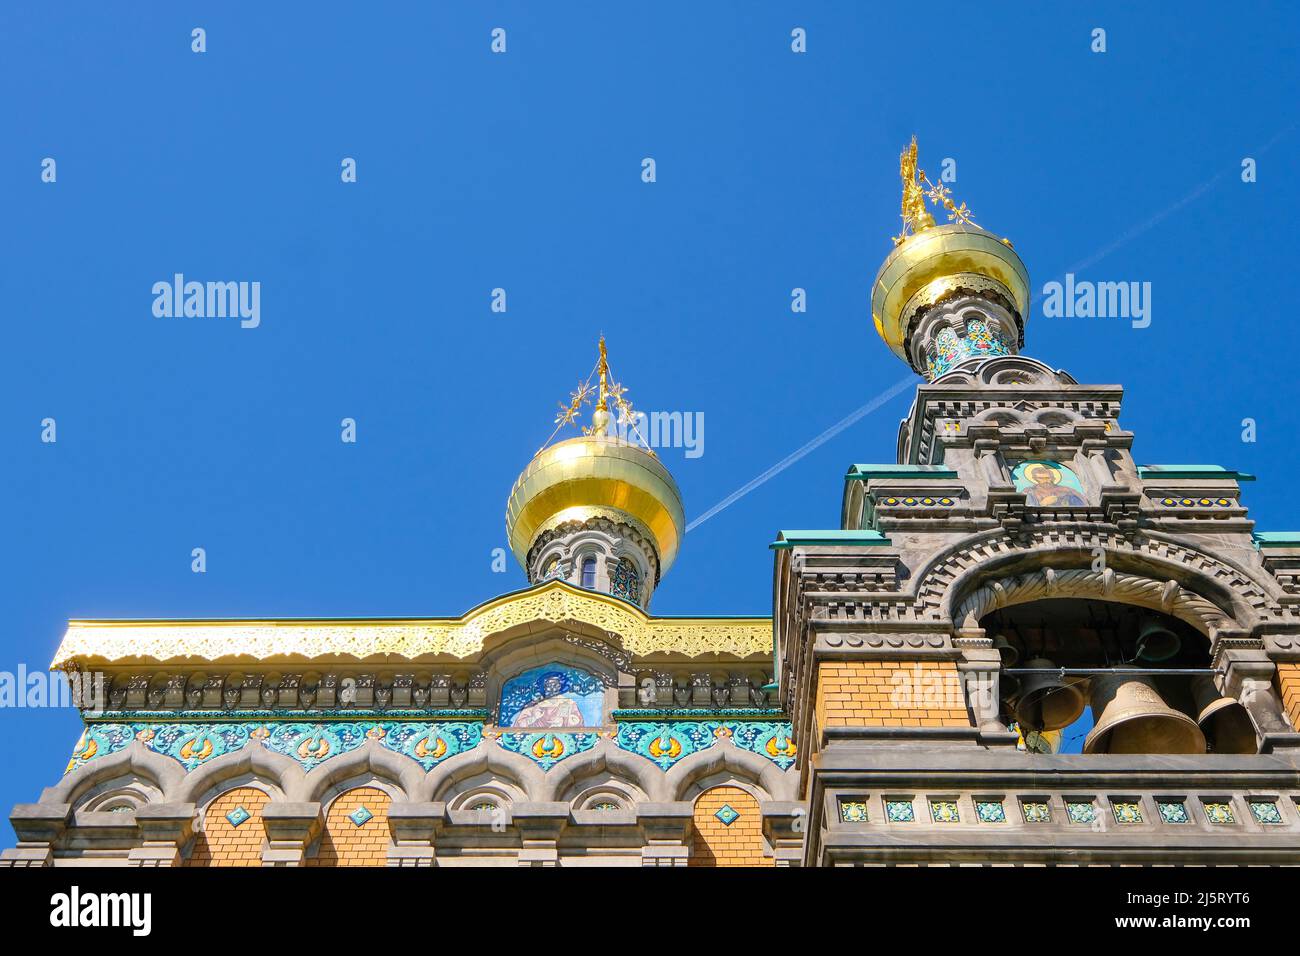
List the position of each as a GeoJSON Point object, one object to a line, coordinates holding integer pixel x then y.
{"type": "Point", "coordinates": [607, 392]}
{"type": "Point", "coordinates": [917, 188]}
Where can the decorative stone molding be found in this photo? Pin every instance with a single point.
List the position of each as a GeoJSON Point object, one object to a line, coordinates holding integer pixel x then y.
{"type": "Point", "coordinates": [1107, 585]}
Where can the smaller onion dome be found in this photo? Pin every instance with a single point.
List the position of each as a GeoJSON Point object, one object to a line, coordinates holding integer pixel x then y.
{"type": "Point", "coordinates": [608, 472]}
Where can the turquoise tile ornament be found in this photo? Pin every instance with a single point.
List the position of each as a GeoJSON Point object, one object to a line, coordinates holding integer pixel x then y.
{"type": "Point", "coordinates": [1081, 811]}
{"type": "Point", "coordinates": [727, 814]}
{"type": "Point", "coordinates": [360, 816]}
{"type": "Point", "coordinates": [237, 816]}
{"type": "Point", "coordinates": [1265, 811]}
{"type": "Point", "coordinates": [1173, 811]}
{"type": "Point", "coordinates": [900, 811]}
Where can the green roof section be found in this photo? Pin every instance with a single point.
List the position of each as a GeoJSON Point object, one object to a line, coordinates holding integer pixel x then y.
{"type": "Point", "coordinates": [1216, 472]}
{"type": "Point", "coordinates": [789, 539]}
{"type": "Point", "coordinates": [1277, 539]}
{"type": "Point", "coordinates": [867, 472]}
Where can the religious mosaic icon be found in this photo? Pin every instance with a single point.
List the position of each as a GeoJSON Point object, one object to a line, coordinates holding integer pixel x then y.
{"type": "Point", "coordinates": [552, 696]}
{"type": "Point", "coordinates": [1048, 484]}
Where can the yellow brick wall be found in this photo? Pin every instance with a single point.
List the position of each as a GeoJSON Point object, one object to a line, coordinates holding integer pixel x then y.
{"type": "Point", "coordinates": [890, 694]}
{"type": "Point", "coordinates": [716, 844]}
{"type": "Point", "coordinates": [219, 843]}
{"type": "Point", "coordinates": [343, 843]}
{"type": "Point", "coordinates": [1288, 688]}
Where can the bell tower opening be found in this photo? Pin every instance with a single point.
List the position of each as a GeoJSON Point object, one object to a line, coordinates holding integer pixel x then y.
{"type": "Point", "coordinates": [1099, 677]}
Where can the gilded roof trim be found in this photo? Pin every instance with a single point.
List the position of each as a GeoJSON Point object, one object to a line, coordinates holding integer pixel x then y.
{"type": "Point", "coordinates": [105, 642]}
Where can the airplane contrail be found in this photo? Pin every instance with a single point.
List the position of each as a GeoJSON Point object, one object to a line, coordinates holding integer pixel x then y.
{"type": "Point", "coordinates": [794, 456]}
{"type": "Point", "coordinates": [1126, 237]}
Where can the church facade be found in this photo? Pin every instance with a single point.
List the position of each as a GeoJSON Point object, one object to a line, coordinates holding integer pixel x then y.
{"type": "Point", "coordinates": [1009, 576]}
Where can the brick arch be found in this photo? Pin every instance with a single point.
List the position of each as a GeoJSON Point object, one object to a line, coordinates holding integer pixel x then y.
{"type": "Point", "coordinates": [343, 842]}
{"type": "Point", "coordinates": [715, 843]}
{"type": "Point", "coordinates": [223, 843]}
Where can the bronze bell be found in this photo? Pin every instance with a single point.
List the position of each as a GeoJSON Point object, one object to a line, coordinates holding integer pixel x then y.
{"type": "Point", "coordinates": [1224, 721]}
{"type": "Point", "coordinates": [1156, 642]}
{"type": "Point", "coordinates": [1007, 651]}
{"type": "Point", "coordinates": [1046, 701]}
{"type": "Point", "coordinates": [1132, 718]}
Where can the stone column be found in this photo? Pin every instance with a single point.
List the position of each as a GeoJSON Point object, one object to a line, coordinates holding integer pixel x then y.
{"type": "Point", "coordinates": [540, 825]}
{"type": "Point", "coordinates": [290, 828]}
{"type": "Point", "coordinates": [165, 828]}
{"type": "Point", "coordinates": [667, 829]}
{"type": "Point", "coordinates": [783, 825]}
{"type": "Point", "coordinates": [1248, 676]}
{"type": "Point", "coordinates": [415, 828]}
{"type": "Point", "coordinates": [38, 826]}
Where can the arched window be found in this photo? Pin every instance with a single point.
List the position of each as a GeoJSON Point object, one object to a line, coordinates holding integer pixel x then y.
{"type": "Point", "coordinates": [627, 582]}
{"type": "Point", "coordinates": [589, 572]}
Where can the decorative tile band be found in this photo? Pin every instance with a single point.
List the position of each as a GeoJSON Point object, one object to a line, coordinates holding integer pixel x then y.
{"type": "Point", "coordinates": [193, 745]}
{"type": "Point", "coordinates": [666, 743]}
{"type": "Point", "coordinates": [1172, 502]}
{"type": "Point", "coordinates": [547, 748]}
{"type": "Point", "coordinates": [426, 742]}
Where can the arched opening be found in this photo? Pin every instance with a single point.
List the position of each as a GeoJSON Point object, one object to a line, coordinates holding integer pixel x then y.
{"type": "Point", "coordinates": [232, 833]}
{"type": "Point", "coordinates": [1093, 676]}
{"type": "Point", "coordinates": [727, 829]}
{"type": "Point", "coordinates": [356, 830]}
{"type": "Point", "coordinates": [589, 572]}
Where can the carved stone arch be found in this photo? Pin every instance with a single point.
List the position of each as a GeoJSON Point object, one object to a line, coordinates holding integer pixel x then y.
{"type": "Point", "coordinates": [204, 800]}
{"type": "Point", "coordinates": [472, 767]}
{"type": "Point", "coordinates": [725, 762]}
{"type": "Point", "coordinates": [855, 499]}
{"type": "Point", "coordinates": [958, 572]}
{"type": "Point", "coordinates": [371, 760]}
{"type": "Point", "coordinates": [360, 781]}
{"type": "Point", "coordinates": [1108, 585]}
{"type": "Point", "coordinates": [281, 774]}
{"type": "Point", "coordinates": [1057, 417]}
{"type": "Point", "coordinates": [1019, 370]}
{"type": "Point", "coordinates": [576, 773]}
{"type": "Point", "coordinates": [135, 761]}
{"type": "Point", "coordinates": [113, 796]}
{"type": "Point", "coordinates": [1000, 415]}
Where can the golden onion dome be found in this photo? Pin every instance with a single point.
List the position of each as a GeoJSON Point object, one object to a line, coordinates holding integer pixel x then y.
{"type": "Point", "coordinates": [596, 476]}
{"type": "Point", "coordinates": [929, 264]}
{"type": "Point", "coordinates": [610, 472]}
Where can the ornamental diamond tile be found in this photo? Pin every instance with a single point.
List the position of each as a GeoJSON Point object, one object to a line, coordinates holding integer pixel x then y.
{"type": "Point", "coordinates": [237, 816]}
{"type": "Point", "coordinates": [727, 815]}
{"type": "Point", "coordinates": [360, 816]}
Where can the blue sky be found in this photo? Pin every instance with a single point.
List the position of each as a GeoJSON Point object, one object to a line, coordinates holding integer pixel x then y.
{"type": "Point", "coordinates": [522, 171]}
